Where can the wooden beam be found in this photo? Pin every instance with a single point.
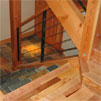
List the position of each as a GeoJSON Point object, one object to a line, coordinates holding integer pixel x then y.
{"type": "Point", "coordinates": [15, 20]}
{"type": "Point", "coordinates": [89, 29]}
{"type": "Point", "coordinates": [98, 32]}
{"type": "Point", "coordinates": [70, 17]}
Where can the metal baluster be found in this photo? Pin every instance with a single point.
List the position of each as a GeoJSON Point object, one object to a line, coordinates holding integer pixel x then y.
{"type": "Point", "coordinates": [43, 36]}
{"type": "Point", "coordinates": [18, 49]}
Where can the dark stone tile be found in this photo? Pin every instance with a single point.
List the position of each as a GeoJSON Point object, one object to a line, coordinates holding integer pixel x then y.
{"type": "Point", "coordinates": [31, 69]}
{"type": "Point", "coordinates": [18, 84]}
{"type": "Point", "coordinates": [52, 67]}
{"type": "Point", "coordinates": [8, 44]}
{"type": "Point", "coordinates": [2, 73]}
{"type": "Point", "coordinates": [29, 60]}
{"type": "Point", "coordinates": [40, 68]}
{"type": "Point", "coordinates": [5, 90]}
{"type": "Point", "coordinates": [19, 73]}
{"type": "Point", "coordinates": [48, 58]}
{"type": "Point", "coordinates": [29, 74]}
{"type": "Point", "coordinates": [5, 78]}
{"type": "Point", "coordinates": [10, 82]}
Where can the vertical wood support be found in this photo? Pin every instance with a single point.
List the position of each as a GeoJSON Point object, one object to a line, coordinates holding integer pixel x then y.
{"type": "Point", "coordinates": [93, 9]}
{"type": "Point", "coordinates": [15, 21]}
{"type": "Point", "coordinates": [98, 32]}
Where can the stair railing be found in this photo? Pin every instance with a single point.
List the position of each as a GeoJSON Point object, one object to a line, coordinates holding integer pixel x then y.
{"type": "Point", "coordinates": [43, 37]}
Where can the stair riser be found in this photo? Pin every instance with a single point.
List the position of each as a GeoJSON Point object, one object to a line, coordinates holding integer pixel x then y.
{"type": "Point", "coordinates": [92, 86]}
{"type": "Point", "coordinates": [96, 56]}
{"type": "Point", "coordinates": [95, 68]}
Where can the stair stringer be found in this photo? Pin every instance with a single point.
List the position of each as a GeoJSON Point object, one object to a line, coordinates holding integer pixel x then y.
{"type": "Point", "coordinates": [70, 17]}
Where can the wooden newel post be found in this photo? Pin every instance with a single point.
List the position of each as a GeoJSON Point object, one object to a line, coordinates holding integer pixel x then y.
{"type": "Point", "coordinates": [15, 21]}
{"type": "Point", "coordinates": [89, 30]}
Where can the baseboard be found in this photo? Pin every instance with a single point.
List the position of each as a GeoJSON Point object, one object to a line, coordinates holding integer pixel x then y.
{"type": "Point", "coordinates": [8, 40]}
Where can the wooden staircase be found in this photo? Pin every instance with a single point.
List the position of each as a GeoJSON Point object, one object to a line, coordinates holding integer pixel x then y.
{"type": "Point", "coordinates": [63, 82]}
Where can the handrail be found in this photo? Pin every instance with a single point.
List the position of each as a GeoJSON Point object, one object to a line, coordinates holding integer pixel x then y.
{"type": "Point", "coordinates": [33, 16]}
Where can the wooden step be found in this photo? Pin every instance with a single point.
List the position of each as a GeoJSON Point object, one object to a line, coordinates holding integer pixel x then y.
{"type": "Point", "coordinates": [92, 86]}
{"type": "Point", "coordinates": [93, 78]}
{"type": "Point", "coordinates": [96, 55]}
{"type": "Point", "coordinates": [68, 79]}
{"type": "Point", "coordinates": [94, 67]}
{"type": "Point", "coordinates": [79, 96]}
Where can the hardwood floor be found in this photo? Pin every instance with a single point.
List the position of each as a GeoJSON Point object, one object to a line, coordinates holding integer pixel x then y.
{"type": "Point", "coordinates": [60, 84]}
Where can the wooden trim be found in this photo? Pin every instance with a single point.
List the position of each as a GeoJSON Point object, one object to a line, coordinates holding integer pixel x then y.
{"type": "Point", "coordinates": [23, 35]}
{"type": "Point", "coordinates": [70, 17]}
{"type": "Point", "coordinates": [98, 32]}
{"type": "Point", "coordinates": [89, 29]}
{"type": "Point", "coordinates": [2, 42]}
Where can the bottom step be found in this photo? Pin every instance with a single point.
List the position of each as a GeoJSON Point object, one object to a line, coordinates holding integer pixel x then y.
{"type": "Point", "coordinates": [95, 79]}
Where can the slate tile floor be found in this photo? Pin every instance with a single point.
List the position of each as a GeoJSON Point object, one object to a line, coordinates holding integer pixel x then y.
{"type": "Point", "coordinates": [14, 80]}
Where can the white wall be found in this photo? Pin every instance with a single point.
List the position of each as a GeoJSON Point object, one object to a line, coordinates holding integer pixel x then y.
{"type": "Point", "coordinates": [68, 45]}
{"type": "Point", "coordinates": [27, 10]}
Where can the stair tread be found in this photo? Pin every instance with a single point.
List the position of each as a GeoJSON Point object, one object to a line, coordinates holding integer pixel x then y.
{"type": "Point", "coordinates": [93, 78]}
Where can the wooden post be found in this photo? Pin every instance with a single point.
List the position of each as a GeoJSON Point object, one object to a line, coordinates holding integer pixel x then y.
{"type": "Point", "coordinates": [98, 32]}
{"type": "Point", "coordinates": [15, 21]}
{"type": "Point", "coordinates": [93, 9]}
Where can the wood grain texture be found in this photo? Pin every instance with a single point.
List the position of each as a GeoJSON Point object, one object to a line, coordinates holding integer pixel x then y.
{"type": "Point", "coordinates": [78, 96]}
{"type": "Point", "coordinates": [15, 20]}
{"type": "Point", "coordinates": [70, 17]}
{"type": "Point", "coordinates": [55, 32]}
{"type": "Point", "coordinates": [34, 84]}
{"type": "Point", "coordinates": [59, 88]}
{"type": "Point", "coordinates": [97, 39]}
{"type": "Point", "coordinates": [1, 96]}
{"type": "Point", "coordinates": [96, 55]}
{"type": "Point", "coordinates": [89, 28]}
